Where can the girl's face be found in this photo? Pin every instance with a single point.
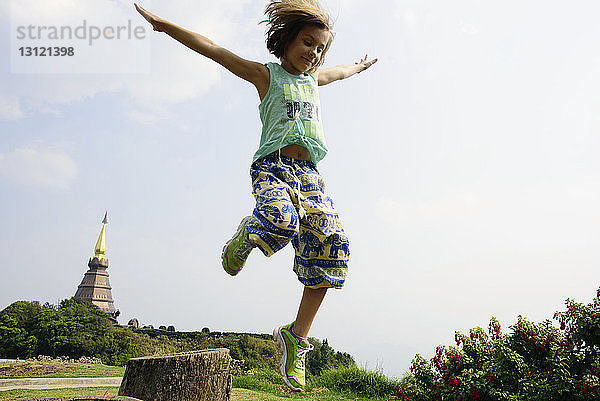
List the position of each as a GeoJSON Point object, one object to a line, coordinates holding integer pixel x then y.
{"type": "Point", "coordinates": [304, 52]}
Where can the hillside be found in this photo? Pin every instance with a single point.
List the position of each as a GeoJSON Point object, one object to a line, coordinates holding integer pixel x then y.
{"type": "Point", "coordinates": [76, 328]}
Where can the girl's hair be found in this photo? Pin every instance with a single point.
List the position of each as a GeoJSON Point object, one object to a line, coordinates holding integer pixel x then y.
{"type": "Point", "coordinates": [286, 18]}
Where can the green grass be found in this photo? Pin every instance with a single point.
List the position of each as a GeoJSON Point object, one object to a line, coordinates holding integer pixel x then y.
{"type": "Point", "coordinates": [260, 380]}
{"type": "Point", "coordinates": [23, 394]}
{"type": "Point", "coordinates": [336, 384]}
{"type": "Point", "coordinates": [357, 381]}
{"type": "Point", "coordinates": [58, 369]}
{"type": "Point", "coordinates": [241, 394]}
{"type": "Point", "coordinates": [238, 394]}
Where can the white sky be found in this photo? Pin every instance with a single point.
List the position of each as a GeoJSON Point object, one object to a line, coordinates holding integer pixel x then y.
{"type": "Point", "coordinates": [464, 163]}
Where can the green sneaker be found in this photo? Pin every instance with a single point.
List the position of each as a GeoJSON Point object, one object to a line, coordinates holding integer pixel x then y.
{"type": "Point", "coordinates": [236, 250]}
{"type": "Point", "coordinates": [294, 351]}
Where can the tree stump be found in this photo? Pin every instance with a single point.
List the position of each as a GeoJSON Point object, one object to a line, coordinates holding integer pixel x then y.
{"type": "Point", "coordinates": [194, 376]}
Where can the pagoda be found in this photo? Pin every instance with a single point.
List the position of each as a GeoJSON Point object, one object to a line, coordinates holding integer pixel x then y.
{"type": "Point", "coordinates": [95, 285]}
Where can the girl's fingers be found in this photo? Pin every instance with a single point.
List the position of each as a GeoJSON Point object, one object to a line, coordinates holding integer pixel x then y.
{"type": "Point", "coordinates": [144, 13]}
{"type": "Point", "coordinates": [366, 63]}
{"type": "Point", "coordinates": [151, 18]}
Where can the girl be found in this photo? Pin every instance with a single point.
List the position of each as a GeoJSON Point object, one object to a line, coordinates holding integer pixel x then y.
{"type": "Point", "coordinates": [291, 204]}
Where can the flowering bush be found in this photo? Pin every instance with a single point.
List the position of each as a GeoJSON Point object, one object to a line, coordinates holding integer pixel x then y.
{"type": "Point", "coordinates": [535, 361]}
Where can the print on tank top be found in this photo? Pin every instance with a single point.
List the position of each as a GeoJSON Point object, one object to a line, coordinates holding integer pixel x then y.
{"type": "Point", "coordinates": [298, 98]}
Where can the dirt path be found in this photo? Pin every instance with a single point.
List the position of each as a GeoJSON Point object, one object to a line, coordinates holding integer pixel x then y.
{"type": "Point", "coordinates": [50, 383]}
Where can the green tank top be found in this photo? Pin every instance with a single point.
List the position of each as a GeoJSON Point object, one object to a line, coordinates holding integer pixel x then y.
{"type": "Point", "coordinates": [290, 94]}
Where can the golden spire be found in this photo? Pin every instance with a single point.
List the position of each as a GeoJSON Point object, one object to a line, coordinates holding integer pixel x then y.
{"type": "Point", "coordinates": [100, 251]}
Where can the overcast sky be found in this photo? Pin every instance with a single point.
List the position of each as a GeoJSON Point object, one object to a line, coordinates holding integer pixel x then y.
{"type": "Point", "coordinates": [464, 164]}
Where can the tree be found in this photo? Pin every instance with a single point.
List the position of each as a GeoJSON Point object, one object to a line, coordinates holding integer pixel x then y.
{"type": "Point", "coordinates": [16, 324]}
{"type": "Point", "coordinates": [74, 328]}
{"type": "Point", "coordinates": [324, 357]}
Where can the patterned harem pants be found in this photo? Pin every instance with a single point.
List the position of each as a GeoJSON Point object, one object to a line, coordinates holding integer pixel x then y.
{"type": "Point", "coordinates": [291, 205]}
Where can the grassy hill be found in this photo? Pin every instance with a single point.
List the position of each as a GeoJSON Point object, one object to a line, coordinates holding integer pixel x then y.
{"type": "Point", "coordinates": [76, 328]}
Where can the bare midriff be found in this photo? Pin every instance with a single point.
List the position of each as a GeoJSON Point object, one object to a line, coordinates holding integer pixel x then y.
{"type": "Point", "coordinates": [295, 152]}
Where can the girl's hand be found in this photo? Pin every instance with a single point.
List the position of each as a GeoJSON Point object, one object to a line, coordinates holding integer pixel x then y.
{"type": "Point", "coordinates": [154, 20]}
{"type": "Point", "coordinates": [332, 74]}
{"type": "Point", "coordinates": [364, 64]}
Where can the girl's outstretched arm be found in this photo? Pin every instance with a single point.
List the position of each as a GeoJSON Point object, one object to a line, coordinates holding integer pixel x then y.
{"type": "Point", "coordinates": [329, 75]}
{"type": "Point", "coordinates": [250, 71]}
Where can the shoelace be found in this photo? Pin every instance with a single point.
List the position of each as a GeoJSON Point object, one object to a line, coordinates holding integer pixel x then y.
{"type": "Point", "coordinates": [300, 354]}
{"type": "Point", "coordinates": [244, 249]}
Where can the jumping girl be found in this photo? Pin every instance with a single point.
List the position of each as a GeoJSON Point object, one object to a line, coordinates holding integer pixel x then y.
{"type": "Point", "coordinates": [291, 205]}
